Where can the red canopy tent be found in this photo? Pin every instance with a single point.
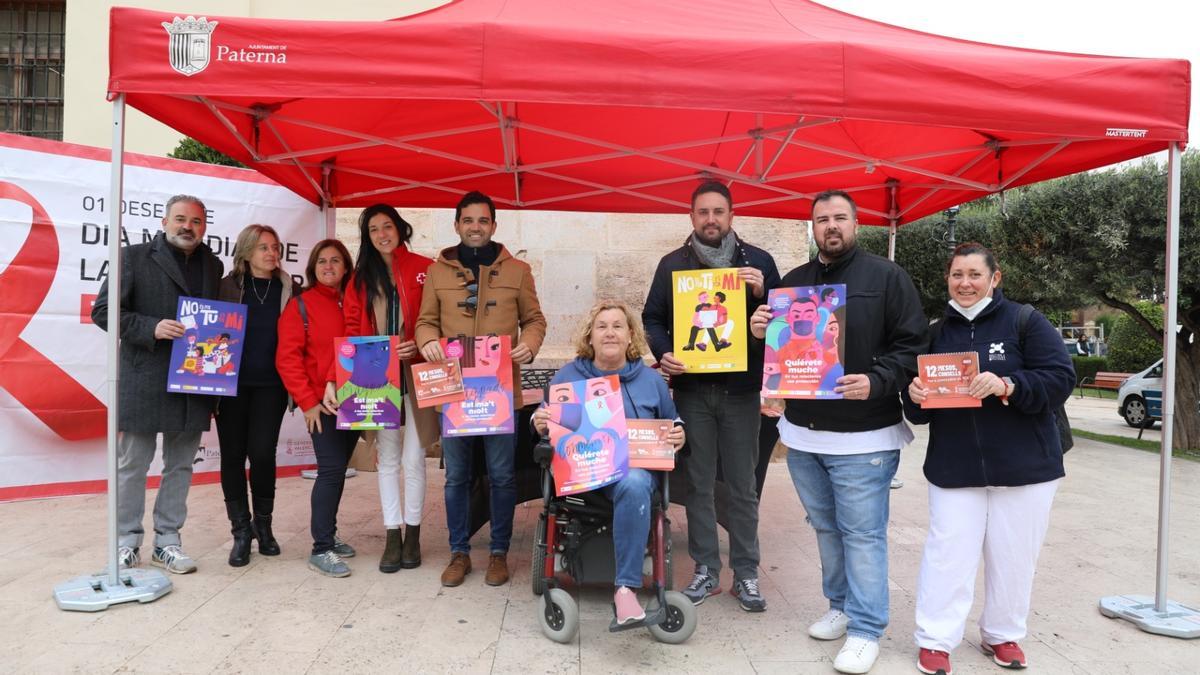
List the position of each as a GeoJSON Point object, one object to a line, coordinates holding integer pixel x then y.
{"type": "Point", "coordinates": [623, 105]}
{"type": "Point", "coordinates": [620, 106]}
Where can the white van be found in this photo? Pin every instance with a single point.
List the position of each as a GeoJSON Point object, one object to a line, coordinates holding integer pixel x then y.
{"type": "Point", "coordinates": [1131, 400]}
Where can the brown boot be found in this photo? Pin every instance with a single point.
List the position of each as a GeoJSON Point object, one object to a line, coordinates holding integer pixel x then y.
{"type": "Point", "coordinates": [410, 555]}
{"type": "Point", "coordinates": [390, 562]}
{"type": "Point", "coordinates": [497, 571]}
{"type": "Point", "coordinates": [457, 570]}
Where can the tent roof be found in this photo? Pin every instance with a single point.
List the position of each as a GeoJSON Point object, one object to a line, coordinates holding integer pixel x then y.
{"type": "Point", "coordinates": [624, 105]}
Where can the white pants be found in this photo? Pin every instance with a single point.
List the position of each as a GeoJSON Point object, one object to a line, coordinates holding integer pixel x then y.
{"type": "Point", "coordinates": [389, 444]}
{"type": "Point", "coordinates": [1007, 526]}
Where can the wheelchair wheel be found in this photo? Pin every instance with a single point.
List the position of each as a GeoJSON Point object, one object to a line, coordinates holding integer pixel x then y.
{"type": "Point", "coordinates": [680, 622]}
{"type": "Point", "coordinates": [559, 615]}
{"type": "Point", "coordinates": [537, 567]}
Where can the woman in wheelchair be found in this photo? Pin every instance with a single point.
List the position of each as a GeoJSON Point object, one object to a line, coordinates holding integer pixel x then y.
{"type": "Point", "coordinates": [611, 342]}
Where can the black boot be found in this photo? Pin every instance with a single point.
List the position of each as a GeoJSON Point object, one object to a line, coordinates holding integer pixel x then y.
{"type": "Point", "coordinates": [390, 561]}
{"type": "Point", "coordinates": [239, 521]}
{"type": "Point", "coordinates": [262, 526]}
{"type": "Point", "coordinates": [410, 553]}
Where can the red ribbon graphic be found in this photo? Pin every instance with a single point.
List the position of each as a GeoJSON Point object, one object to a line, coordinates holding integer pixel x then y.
{"type": "Point", "coordinates": [35, 381]}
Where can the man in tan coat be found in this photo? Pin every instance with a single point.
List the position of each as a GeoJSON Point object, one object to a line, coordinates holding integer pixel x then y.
{"type": "Point", "coordinates": [477, 288]}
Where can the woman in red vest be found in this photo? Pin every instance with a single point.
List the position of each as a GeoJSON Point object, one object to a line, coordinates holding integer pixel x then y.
{"type": "Point", "coordinates": [307, 329]}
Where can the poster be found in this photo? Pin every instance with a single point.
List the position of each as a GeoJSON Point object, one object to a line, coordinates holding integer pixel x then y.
{"type": "Point", "coordinates": [487, 408]}
{"type": "Point", "coordinates": [948, 378]}
{"type": "Point", "coordinates": [648, 446]}
{"type": "Point", "coordinates": [208, 358]}
{"type": "Point", "coordinates": [587, 430]}
{"type": "Point", "coordinates": [437, 382]}
{"type": "Point", "coordinates": [369, 389]}
{"type": "Point", "coordinates": [805, 342]}
{"type": "Point", "coordinates": [709, 323]}
{"type": "Point", "coordinates": [54, 215]}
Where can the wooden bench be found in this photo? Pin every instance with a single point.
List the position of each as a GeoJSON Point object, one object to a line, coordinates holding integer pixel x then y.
{"type": "Point", "coordinates": [1103, 380]}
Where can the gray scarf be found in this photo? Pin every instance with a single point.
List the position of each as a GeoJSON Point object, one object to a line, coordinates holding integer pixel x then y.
{"type": "Point", "coordinates": [716, 256]}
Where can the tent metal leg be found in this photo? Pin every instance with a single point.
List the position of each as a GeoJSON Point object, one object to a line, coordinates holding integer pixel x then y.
{"type": "Point", "coordinates": [1160, 615]}
{"type": "Point", "coordinates": [96, 592]}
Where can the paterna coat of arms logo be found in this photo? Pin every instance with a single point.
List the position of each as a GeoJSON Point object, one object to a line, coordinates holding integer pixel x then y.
{"type": "Point", "coordinates": [190, 46]}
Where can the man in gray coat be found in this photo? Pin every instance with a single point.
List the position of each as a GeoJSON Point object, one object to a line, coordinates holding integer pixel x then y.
{"type": "Point", "coordinates": [153, 277]}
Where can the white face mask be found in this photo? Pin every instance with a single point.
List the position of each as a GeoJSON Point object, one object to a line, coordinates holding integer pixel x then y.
{"type": "Point", "coordinates": [973, 311]}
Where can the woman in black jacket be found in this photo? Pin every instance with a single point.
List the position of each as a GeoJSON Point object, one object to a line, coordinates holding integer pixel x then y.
{"type": "Point", "coordinates": [248, 424]}
{"type": "Point", "coordinates": [992, 470]}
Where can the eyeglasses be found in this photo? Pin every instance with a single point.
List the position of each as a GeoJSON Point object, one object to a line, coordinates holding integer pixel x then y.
{"type": "Point", "coordinates": [263, 248]}
{"type": "Point", "coordinates": [472, 302]}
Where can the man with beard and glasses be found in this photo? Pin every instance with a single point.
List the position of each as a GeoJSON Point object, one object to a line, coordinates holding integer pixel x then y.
{"type": "Point", "coordinates": [153, 277]}
{"type": "Point", "coordinates": [842, 454]}
{"type": "Point", "coordinates": [720, 410]}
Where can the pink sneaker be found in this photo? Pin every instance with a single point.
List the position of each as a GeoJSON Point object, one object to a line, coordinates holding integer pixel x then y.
{"type": "Point", "coordinates": [629, 609]}
{"type": "Point", "coordinates": [1005, 654]}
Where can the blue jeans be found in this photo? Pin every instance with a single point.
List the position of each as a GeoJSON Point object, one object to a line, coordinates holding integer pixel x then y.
{"type": "Point", "coordinates": [631, 524]}
{"type": "Point", "coordinates": [846, 497]}
{"type": "Point", "coordinates": [499, 452]}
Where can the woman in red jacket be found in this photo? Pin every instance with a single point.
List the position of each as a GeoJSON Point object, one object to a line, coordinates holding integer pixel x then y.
{"type": "Point", "coordinates": [383, 298]}
{"type": "Point", "coordinates": [307, 329]}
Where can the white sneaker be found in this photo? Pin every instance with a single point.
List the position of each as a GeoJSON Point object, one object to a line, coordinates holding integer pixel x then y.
{"type": "Point", "coordinates": [831, 626]}
{"type": "Point", "coordinates": [857, 655]}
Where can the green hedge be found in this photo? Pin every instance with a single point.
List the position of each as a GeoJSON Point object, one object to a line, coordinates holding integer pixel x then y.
{"type": "Point", "coordinates": [1088, 366]}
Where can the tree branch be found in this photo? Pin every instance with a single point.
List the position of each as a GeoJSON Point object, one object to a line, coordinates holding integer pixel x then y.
{"type": "Point", "coordinates": [1134, 314]}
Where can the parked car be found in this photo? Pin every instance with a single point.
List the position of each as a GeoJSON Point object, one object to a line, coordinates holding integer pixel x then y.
{"type": "Point", "coordinates": [1131, 400]}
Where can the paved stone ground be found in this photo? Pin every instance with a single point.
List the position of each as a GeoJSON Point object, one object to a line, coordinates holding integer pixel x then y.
{"type": "Point", "coordinates": [277, 616]}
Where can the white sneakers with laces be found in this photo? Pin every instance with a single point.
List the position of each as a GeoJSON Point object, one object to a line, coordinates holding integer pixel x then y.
{"type": "Point", "coordinates": [831, 626]}
{"type": "Point", "coordinates": [857, 655]}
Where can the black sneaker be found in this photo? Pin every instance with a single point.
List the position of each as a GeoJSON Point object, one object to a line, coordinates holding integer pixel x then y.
{"type": "Point", "coordinates": [746, 591]}
{"type": "Point", "coordinates": [703, 585]}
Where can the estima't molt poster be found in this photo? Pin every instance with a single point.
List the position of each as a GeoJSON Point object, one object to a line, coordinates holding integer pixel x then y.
{"type": "Point", "coordinates": [805, 342]}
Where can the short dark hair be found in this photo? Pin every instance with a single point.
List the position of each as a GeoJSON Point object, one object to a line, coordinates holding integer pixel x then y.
{"type": "Point", "coordinates": [973, 248]}
{"type": "Point", "coordinates": [474, 197]}
{"type": "Point", "coordinates": [712, 186]}
{"type": "Point", "coordinates": [830, 194]}
{"type": "Point", "coordinates": [720, 295]}
{"type": "Point", "coordinates": [310, 270]}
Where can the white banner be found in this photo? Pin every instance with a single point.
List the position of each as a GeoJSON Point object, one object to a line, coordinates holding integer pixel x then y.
{"type": "Point", "coordinates": [54, 214]}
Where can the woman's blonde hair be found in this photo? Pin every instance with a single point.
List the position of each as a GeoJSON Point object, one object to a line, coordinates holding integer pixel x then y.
{"type": "Point", "coordinates": [637, 336]}
{"type": "Point", "coordinates": [244, 247]}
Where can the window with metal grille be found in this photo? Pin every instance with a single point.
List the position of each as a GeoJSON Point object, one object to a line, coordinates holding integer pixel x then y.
{"type": "Point", "coordinates": [31, 68]}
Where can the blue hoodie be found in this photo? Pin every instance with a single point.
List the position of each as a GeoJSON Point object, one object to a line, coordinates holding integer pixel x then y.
{"type": "Point", "coordinates": [644, 391]}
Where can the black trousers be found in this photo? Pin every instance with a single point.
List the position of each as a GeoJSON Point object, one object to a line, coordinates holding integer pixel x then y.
{"type": "Point", "coordinates": [333, 448]}
{"type": "Point", "coordinates": [248, 428]}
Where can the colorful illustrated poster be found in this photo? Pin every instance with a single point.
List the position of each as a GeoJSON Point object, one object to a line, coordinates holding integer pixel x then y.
{"type": "Point", "coordinates": [587, 430]}
{"type": "Point", "coordinates": [207, 359]}
{"type": "Point", "coordinates": [648, 446]}
{"type": "Point", "coordinates": [437, 383]}
{"type": "Point", "coordinates": [369, 389]}
{"type": "Point", "coordinates": [487, 406]}
{"type": "Point", "coordinates": [805, 342]}
{"type": "Point", "coordinates": [709, 324]}
{"type": "Point", "coordinates": [948, 378]}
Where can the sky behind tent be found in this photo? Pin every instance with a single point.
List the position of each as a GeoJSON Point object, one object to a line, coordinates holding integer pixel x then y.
{"type": "Point", "coordinates": [1147, 28]}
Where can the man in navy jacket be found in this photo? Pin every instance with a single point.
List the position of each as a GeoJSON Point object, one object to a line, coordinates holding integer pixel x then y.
{"type": "Point", "coordinates": [842, 454]}
{"type": "Point", "coordinates": [721, 410]}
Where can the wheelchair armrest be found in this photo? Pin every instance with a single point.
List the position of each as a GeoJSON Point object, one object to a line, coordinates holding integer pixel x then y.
{"type": "Point", "coordinates": [543, 452]}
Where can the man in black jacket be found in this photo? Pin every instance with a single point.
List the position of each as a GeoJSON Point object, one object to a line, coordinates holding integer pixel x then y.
{"type": "Point", "coordinates": [720, 410]}
{"type": "Point", "coordinates": [842, 454]}
{"type": "Point", "coordinates": [153, 277]}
